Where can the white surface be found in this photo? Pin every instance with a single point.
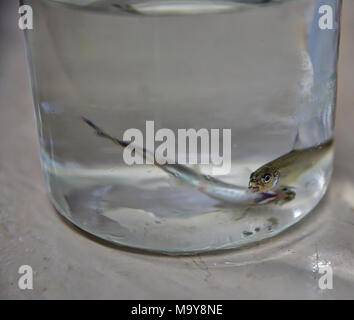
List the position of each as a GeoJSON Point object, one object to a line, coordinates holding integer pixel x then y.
{"type": "Point", "coordinates": [69, 264]}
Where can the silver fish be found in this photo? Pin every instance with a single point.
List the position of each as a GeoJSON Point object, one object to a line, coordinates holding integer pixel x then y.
{"type": "Point", "coordinates": [208, 185]}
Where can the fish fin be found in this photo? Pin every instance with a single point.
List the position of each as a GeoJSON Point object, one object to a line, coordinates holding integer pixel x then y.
{"type": "Point", "coordinates": [105, 135]}
{"type": "Point", "coordinates": [290, 195]}
{"type": "Point", "coordinates": [297, 142]}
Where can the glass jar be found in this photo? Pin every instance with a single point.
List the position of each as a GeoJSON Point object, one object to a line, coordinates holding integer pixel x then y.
{"type": "Point", "coordinates": [184, 126]}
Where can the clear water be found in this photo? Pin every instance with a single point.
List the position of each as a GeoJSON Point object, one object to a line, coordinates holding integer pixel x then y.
{"type": "Point", "coordinates": [254, 68]}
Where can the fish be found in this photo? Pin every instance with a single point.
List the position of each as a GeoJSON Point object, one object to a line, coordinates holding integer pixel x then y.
{"type": "Point", "coordinates": [206, 184]}
{"type": "Point", "coordinates": [286, 169]}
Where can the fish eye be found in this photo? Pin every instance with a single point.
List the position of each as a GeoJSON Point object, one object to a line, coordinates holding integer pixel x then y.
{"type": "Point", "coordinates": [266, 178]}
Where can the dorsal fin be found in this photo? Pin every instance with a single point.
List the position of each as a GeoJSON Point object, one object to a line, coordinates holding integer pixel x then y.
{"type": "Point", "coordinates": [297, 143]}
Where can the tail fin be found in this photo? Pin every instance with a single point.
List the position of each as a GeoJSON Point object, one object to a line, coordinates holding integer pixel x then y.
{"type": "Point", "coordinates": [181, 172]}
{"type": "Point", "coordinates": [141, 150]}
{"type": "Point", "coordinates": [103, 134]}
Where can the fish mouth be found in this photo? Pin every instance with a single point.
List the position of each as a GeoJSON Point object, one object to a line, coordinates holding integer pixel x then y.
{"type": "Point", "coordinates": [253, 188]}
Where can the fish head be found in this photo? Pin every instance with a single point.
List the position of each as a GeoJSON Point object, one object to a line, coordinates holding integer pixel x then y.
{"type": "Point", "coordinates": [264, 179]}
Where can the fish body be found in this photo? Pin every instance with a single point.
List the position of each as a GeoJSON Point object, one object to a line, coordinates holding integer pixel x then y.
{"type": "Point", "coordinates": [286, 169]}
{"type": "Point", "coordinates": [208, 185]}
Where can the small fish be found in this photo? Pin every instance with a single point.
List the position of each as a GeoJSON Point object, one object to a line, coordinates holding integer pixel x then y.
{"type": "Point", "coordinates": [284, 170]}
{"type": "Point", "coordinates": [208, 185]}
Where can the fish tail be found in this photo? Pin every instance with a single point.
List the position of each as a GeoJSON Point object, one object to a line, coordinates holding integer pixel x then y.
{"type": "Point", "coordinates": [103, 134]}
{"type": "Point", "coordinates": [181, 172]}
{"type": "Point", "coordinates": [141, 150]}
